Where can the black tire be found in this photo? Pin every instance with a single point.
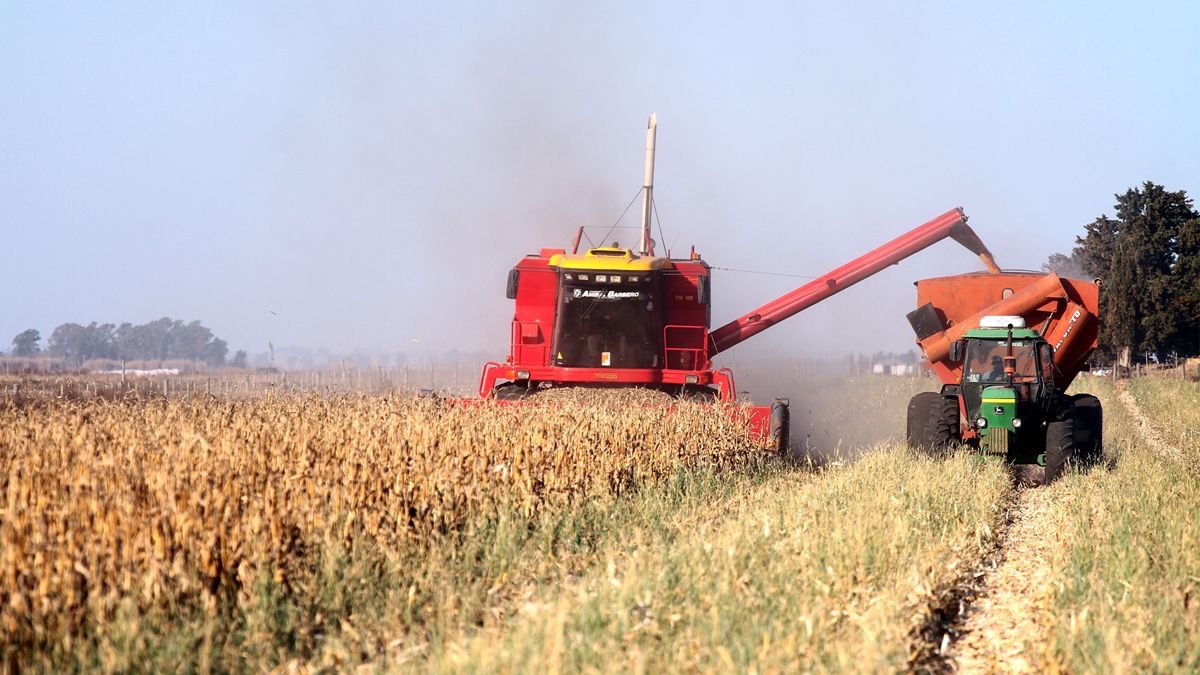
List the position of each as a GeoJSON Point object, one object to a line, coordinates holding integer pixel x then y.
{"type": "Point", "coordinates": [1060, 443]}
{"type": "Point", "coordinates": [512, 391]}
{"type": "Point", "coordinates": [1089, 429]}
{"type": "Point", "coordinates": [942, 430]}
{"type": "Point", "coordinates": [918, 418]}
{"type": "Point", "coordinates": [781, 426]}
{"type": "Point", "coordinates": [700, 394]}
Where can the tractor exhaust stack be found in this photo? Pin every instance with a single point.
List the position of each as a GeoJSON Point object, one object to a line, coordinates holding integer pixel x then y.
{"type": "Point", "coordinates": [648, 186]}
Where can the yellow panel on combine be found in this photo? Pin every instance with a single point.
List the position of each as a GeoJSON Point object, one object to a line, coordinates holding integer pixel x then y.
{"type": "Point", "coordinates": [609, 259]}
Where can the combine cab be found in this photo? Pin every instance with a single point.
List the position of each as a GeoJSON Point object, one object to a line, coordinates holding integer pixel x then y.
{"type": "Point", "coordinates": [1006, 347]}
{"type": "Point", "coordinates": [611, 316]}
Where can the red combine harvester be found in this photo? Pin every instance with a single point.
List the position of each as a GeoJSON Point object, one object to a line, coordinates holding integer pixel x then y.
{"type": "Point", "coordinates": [613, 317]}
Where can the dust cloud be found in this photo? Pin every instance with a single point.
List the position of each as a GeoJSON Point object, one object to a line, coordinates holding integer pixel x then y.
{"type": "Point", "coordinates": [838, 410]}
{"type": "Point", "coordinates": [358, 182]}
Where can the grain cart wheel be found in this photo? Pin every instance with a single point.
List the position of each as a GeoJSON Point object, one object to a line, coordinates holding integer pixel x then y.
{"type": "Point", "coordinates": [918, 418]}
{"type": "Point", "coordinates": [942, 430]}
{"type": "Point", "coordinates": [1089, 429]}
{"type": "Point", "coordinates": [1060, 442]}
{"type": "Point", "coordinates": [781, 425]}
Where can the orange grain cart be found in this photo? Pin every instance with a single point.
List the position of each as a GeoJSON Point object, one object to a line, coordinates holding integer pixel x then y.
{"type": "Point", "coordinates": [1006, 346]}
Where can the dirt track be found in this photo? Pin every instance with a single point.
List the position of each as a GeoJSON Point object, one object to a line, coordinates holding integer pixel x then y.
{"type": "Point", "coordinates": [1004, 627]}
{"type": "Point", "coordinates": [1002, 630]}
{"type": "Point", "coordinates": [1147, 429]}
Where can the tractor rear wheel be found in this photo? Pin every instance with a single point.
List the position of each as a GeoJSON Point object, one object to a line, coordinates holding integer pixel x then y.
{"type": "Point", "coordinates": [1089, 428]}
{"type": "Point", "coordinates": [1060, 442]}
{"type": "Point", "coordinates": [918, 418]}
{"type": "Point", "coordinates": [943, 429]}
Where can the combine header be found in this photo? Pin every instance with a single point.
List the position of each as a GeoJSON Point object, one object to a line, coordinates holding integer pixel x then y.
{"type": "Point", "coordinates": [1006, 347]}
{"type": "Point", "coordinates": [614, 317]}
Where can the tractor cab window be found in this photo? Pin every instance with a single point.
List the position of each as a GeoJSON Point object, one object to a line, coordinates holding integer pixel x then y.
{"type": "Point", "coordinates": [1047, 356]}
{"type": "Point", "coordinates": [985, 361]}
{"type": "Point", "coordinates": [607, 320]}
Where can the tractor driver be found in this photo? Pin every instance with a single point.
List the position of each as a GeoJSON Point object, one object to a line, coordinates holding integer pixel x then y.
{"type": "Point", "coordinates": [996, 374]}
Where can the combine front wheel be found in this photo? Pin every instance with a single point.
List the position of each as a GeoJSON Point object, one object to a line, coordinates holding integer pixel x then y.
{"type": "Point", "coordinates": [513, 391]}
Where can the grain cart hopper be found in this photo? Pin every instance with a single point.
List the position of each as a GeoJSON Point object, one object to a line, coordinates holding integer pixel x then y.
{"type": "Point", "coordinates": [1006, 347]}
{"type": "Point", "coordinates": [615, 317]}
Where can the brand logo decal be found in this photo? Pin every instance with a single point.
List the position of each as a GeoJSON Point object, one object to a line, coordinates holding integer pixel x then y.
{"type": "Point", "coordinates": [605, 295]}
{"type": "Point", "coordinates": [1070, 327]}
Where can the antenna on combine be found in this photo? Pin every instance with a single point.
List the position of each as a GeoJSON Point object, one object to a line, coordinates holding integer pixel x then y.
{"type": "Point", "coordinates": [648, 186]}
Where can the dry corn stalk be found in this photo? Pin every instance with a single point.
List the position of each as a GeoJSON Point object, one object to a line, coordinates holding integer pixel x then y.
{"type": "Point", "coordinates": [170, 501]}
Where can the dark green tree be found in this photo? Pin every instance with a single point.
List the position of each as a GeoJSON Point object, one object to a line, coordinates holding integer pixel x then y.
{"type": "Point", "coordinates": [76, 344]}
{"type": "Point", "coordinates": [158, 340]}
{"type": "Point", "coordinates": [1094, 250]}
{"type": "Point", "coordinates": [26, 343]}
{"type": "Point", "coordinates": [1147, 257]}
{"type": "Point", "coordinates": [1187, 273]}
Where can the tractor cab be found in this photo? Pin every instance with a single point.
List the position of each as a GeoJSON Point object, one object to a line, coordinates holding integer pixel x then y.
{"type": "Point", "coordinates": [609, 309]}
{"type": "Point", "coordinates": [1007, 381]}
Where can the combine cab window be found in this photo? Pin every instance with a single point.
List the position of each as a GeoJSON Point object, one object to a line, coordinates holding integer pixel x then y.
{"type": "Point", "coordinates": [603, 324]}
{"type": "Point", "coordinates": [985, 362]}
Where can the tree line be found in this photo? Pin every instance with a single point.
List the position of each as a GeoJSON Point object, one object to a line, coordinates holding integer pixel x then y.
{"type": "Point", "coordinates": [1148, 258]}
{"type": "Point", "coordinates": [163, 339]}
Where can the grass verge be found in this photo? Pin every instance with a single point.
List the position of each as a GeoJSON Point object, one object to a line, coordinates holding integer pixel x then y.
{"type": "Point", "coordinates": [1127, 597]}
{"type": "Point", "coordinates": [793, 573]}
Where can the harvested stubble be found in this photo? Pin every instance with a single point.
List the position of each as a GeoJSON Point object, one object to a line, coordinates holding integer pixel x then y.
{"type": "Point", "coordinates": [1125, 598]}
{"type": "Point", "coordinates": [169, 504]}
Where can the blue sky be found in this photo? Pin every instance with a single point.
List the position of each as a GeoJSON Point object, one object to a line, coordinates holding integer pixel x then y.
{"type": "Point", "coordinates": [369, 172]}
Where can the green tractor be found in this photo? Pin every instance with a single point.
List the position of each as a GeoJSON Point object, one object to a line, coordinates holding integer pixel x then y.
{"type": "Point", "coordinates": [1009, 397]}
{"type": "Point", "coordinates": [1004, 381]}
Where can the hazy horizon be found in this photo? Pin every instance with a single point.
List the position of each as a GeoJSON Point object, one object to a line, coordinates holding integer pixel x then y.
{"type": "Point", "coordinates": [362, 176]}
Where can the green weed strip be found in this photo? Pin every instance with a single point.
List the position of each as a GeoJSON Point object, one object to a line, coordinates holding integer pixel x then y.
{"type": "Point", "coordinates": [846, 570]}
{"type": "Point", "coordinates": [1127, 597]}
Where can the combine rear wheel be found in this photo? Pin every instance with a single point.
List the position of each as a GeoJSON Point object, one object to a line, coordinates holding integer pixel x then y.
{"type": "Point", "coordinates": [1060, 442]}
{"type": "Point", "coordinates": [781, 425]}
{"type": "Point", "coordinates": [1089, 428]}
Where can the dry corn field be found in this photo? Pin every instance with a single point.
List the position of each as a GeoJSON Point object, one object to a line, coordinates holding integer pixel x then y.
{"type": "Point", "coordinates": [584, 533]}
{"type": "Point", "coordinates": [156, 504]}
